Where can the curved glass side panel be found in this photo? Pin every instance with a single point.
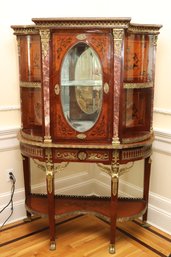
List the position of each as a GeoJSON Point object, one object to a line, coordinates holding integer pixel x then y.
{"type": "Point", "coordinates": [81, 87]}
{"type": "Point", "coordinates": [138, 58]}
{"type": "Point", "coordinates": [30, 86]}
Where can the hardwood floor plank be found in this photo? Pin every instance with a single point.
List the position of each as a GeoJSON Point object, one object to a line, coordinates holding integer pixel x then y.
{"type": "Point", "coordinates": [85, 236]}
{"type": "Point", "coordinates": [156, 231]}
{"type": "Point", "coordinates": [147, 237]}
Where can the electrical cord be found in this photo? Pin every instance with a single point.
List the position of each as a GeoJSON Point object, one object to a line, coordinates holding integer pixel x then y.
{"type": "Point", "coordinates": [13, 180]}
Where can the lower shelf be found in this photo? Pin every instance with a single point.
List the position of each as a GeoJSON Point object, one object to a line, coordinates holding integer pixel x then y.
{"type": "Point", "coordinates": [127, 208]}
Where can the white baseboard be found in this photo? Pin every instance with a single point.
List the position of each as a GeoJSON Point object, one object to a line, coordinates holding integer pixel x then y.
{"type": "Point", "coordinates": [159, 214]}
{"type": "Point", "coordinates": [159, 208]}
{"type": "Point", "coordinates": [162, 142]}
{"type": "Point", "coordinates": [162, 111]}
{"type": "Point", "coordinates": [71, 185]}
{"type": "Point", "coordinates": [8, 139]}
{"type": "Point", "coordinates": [9, 108]}
{"type": "Point", "coordinates": [159, 211]}
{"type": "Point", "coordinates": [18, 204]}
{"type": "Point", "coordinates": [75, 184]}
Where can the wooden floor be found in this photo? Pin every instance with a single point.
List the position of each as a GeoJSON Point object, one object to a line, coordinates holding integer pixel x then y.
{"type": "Point", "coordinates": [82, 236]}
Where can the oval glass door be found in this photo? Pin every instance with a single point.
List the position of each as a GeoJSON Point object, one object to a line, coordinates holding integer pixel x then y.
{"type": "Point", "coordinates": [81, 87]}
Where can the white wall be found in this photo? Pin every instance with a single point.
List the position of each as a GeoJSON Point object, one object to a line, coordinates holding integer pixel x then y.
{"type": "Point", "coordinates": [20, 12]}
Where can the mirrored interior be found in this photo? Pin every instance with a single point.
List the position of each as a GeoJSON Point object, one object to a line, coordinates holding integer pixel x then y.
{"type": "Point", "coordinates": [81, 87]}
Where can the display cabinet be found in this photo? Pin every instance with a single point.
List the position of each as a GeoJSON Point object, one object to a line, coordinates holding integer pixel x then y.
{"type": "Point", "coordinates": [87, 87]}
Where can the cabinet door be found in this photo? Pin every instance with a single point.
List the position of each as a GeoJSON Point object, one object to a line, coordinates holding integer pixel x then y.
{"type": "Point", "coordinates": [81, 86]}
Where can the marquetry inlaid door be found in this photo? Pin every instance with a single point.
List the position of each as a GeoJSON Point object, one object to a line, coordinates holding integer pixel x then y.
{"type": "Point", "coordinates": [82, 86]}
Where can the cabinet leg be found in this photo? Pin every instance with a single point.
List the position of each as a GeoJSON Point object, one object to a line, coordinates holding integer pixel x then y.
{"type": "Point", "coordinates": [26, 169]}
{"type": "Point", "coordinates": [51, 205]}
{"type": "Point", "coordinates": [145, 224]}
{"type": "Point", "coordinates": [28, 218]}
{"type": "Point", "coordinates": [52, 234]}
{"type": "Point", "coordinates": [114, 199]}
{"type": "Point", "coordinates": [147, 171]}
{"type": "Point", "coordinates": [113, 224]}
{"type": "Point", "coordinates": [51, 225]}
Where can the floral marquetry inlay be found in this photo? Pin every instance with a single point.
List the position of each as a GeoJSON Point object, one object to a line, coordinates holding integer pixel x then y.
{"type": "Point", "coordinates": [63, 129]}
{"type": "Point", "coordinates": [99, 130]}
{"type": "Point", "coordinates": [62, 43]}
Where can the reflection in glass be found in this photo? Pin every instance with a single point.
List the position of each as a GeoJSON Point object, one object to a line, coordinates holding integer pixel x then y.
{"type": "Point", "coordinates": [81, 87]}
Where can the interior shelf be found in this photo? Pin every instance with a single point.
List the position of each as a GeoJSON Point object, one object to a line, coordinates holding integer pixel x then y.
{"type": "Point", "coordinates": [128, 208]}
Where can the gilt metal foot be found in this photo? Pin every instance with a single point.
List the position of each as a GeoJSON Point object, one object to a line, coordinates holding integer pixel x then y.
{"type": "Point", "coordinates": [111, 248]}
{"type": "Point", "coordinates": [144, 224]}
{"type": "Point", "coordinates": [52, 246]}
{"type": "Point", "coordinates": [28, 219]}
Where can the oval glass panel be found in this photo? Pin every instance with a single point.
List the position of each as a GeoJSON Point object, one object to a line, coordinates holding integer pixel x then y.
{"type": "Point", "coordinates": [81, 87]}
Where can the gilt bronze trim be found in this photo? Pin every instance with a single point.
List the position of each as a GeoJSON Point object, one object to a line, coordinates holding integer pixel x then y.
{"type": "Point", "coordinates": [45, 38]}
{"type": "Point", "coordinates": [57, 167]}
{"type": "Point", "coordinates": [47, 139]}
{"type": "Point", "coordinates": [137, 85]}
{"type": "Point", "coordinates": [136, 139]}
{"type": "Point", "coordinates": [81, 36]}
{"type": "Point", "coordinates": [31, 137]}
{"type": "Point", "coordinates": [136, 153]}
{"type": "Point", "coordinates": [24, 30]}
{"type": "Point", "coordinates": [118, 35]}
{"type": "Point", "coordinates": [29, 84]}
{"type": "Point", "coordinates": [31, 151]}
{"type": "Point", "coordinates": [81, 136]}
{"type": "Point", "coordinates": [87, 146]}
{"type": "Point", "coordinates": [107, 169]}
{"type": "Point", "coordinates": [79, 212]}
{"type": "Point", "coordinates": [82, 22]}
{"type": "Point", "coordinates": [154, 40]}
{"type": "Point", "coordinates": [57, 89]}
{"type": "Point", "coordinates": [82, 155]}
{"type": "Point", "coordinates": [106, 88]}
{"type": "Point", "coordinates": [144, 28]}
{"type": "Point", "coordinates": [49, 178]}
